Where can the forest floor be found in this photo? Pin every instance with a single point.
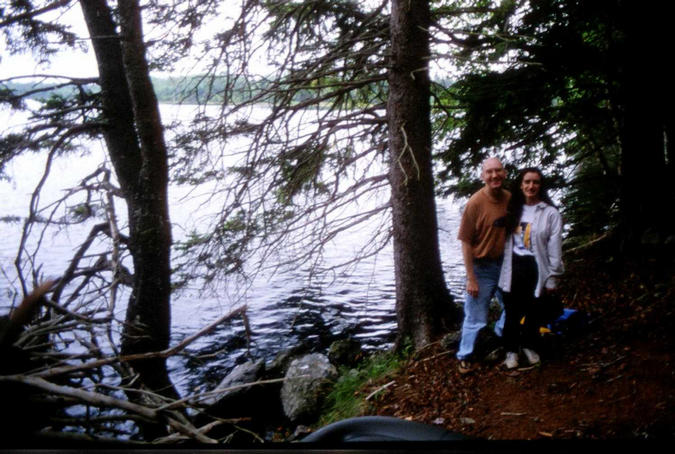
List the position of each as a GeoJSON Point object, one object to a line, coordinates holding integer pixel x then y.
{"type": "Point", "coordinates": [612, 378]}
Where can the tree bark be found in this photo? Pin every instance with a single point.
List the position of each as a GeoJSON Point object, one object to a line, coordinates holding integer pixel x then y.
{"type": "Point", "coordinates": [646, 132]}
{"type": "Point", "coordinates": [137, 150]}
{"type": "Point", "coordinates": [422, 297]}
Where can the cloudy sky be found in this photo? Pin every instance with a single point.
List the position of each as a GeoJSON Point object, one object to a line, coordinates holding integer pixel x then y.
{"type": "Point", "coordinates": [71, 63]}
{"type": "Point", "coordinates": [83, 64]}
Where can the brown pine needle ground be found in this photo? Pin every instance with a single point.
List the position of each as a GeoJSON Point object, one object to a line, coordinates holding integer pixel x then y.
{"type": "Point", "coordinates": [612, 380]}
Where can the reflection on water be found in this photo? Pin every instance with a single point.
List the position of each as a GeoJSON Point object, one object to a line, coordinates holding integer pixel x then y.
{"type": "Point", "coordinates": [283, 314]}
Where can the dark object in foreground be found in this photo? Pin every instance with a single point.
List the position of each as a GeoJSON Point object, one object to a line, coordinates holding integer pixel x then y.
{"type": "Point", "coordinates": [23, 411]}
{"type": "Point", "coordinates": [379, 429]}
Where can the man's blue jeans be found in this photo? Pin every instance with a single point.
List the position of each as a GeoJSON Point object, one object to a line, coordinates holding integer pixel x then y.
{"type": "Point", "coordinates": [476, 308]}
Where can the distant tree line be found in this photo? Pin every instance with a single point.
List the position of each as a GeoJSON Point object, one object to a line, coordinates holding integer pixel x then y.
{"type": "Point", "coordinates": [196, 90]}
{"type": "Point", "coordinates": [169, 90]}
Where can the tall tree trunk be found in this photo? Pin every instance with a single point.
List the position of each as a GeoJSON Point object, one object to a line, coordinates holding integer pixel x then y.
{"type": "Point", "coordinates": [646, 130]}
{"type": "Point", "coordinates": [422, 296]}
{"type": "Point", "coordinates": [149, 314]}
{"type": "Point", "coordinates": [138, 153]}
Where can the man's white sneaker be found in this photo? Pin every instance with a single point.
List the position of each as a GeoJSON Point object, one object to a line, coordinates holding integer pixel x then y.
{"type": "Point", "coordinates": [532, 356]}
{"type": "Point", "coordinates": [511, 361]}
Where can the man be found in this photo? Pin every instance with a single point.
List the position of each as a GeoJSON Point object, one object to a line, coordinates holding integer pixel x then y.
{"type": "Point", "coordinates": [482, 233]}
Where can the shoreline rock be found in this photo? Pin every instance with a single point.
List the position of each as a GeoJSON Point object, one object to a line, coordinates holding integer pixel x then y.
{"type": "Point", "coordinates": [306, 383]}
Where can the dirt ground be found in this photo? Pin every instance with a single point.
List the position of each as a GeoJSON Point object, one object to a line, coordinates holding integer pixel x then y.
{"type": "Point", "coordinates": [612, 378]}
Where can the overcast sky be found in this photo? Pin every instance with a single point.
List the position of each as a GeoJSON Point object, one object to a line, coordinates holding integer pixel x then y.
{"type": "Point", "coordinates": [79, 64]}
{"type": "Point", "coordinates": [74, 63]}
{"type": "Point", "coordinates": [71, 63]}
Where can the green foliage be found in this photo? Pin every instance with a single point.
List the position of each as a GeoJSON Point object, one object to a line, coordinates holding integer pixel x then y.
{"type": "Point", "coordinates": [300, 167]}
{"type": "Point", "coordinates": [198, 89]}
{"type": "Point", "coordinates": [553, 103]}
{"type": "Point", "coordinates": [8, 96]}
{"type": "Point", "coordinates": [10, 146]}
{"type": "Point", "coordinates": [594, 191]}
{"type": "Point", "coordinates": [202, 89]}
{"type": "Point", "coordinates": [222, 251]}
{"type": "Point", "coordinates": [27, 32]}
{"type": "Point", "coordinates": [83, 211]}
{"type": "Point", "coordinates": [14, 93]}
{"type": "Point", "coordinates": [346, 399]}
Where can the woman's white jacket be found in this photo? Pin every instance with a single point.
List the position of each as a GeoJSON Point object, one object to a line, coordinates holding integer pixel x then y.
{"type": "Point", "coordinates": [546, 245]}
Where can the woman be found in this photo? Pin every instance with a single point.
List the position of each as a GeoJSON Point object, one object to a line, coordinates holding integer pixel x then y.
{"type": "Point", "coordinates": [532, 262]}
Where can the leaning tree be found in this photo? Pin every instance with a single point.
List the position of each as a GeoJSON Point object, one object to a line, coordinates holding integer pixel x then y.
{"type": "Point", "coordinates": [123, 110]}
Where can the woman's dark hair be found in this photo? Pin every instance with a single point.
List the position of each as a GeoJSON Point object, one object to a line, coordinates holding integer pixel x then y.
{"type": "Point", "coordinates": [515, 207]}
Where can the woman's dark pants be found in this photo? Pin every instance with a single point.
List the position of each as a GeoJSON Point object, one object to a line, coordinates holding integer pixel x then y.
{"type": "Point", "coordinates": [520, 302]}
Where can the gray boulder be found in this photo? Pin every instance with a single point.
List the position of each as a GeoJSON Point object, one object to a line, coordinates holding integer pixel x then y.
{"type": "Point", "coordinates": [278, 367]}
{"type": "Point", "coordinates": [306, 383]}
{"type": "Point", "coordinates": [232, 389]}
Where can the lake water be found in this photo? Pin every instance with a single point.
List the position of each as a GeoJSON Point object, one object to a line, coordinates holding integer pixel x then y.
{"type": "Point", "coordinates": [284, 309]}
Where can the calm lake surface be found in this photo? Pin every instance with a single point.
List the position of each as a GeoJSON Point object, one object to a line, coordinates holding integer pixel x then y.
{"type": "Point", "coordinates": [284, 309]}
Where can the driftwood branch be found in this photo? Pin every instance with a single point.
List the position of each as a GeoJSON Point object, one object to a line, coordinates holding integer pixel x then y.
{"type": "Point", "coordinates": [98, 399]}
{"type": "Point", "coordinates": [128, 358]}
{"type": "Point", "coordinates": [156, 409]}
{"type": "Point", "coordinates": [69, 335]}
{"type": "Point", "coordinates": [587, 244]}
{"type": "Point", "coordinates": [380, 389]}
{"type": "Point", "coordinates": [82, 395]}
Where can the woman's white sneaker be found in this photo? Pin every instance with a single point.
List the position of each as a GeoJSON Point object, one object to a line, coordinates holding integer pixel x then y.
{"type": "Point", "coordinates": [532, 356]}
{"type": "Point", "coordinates": [511, 361]}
